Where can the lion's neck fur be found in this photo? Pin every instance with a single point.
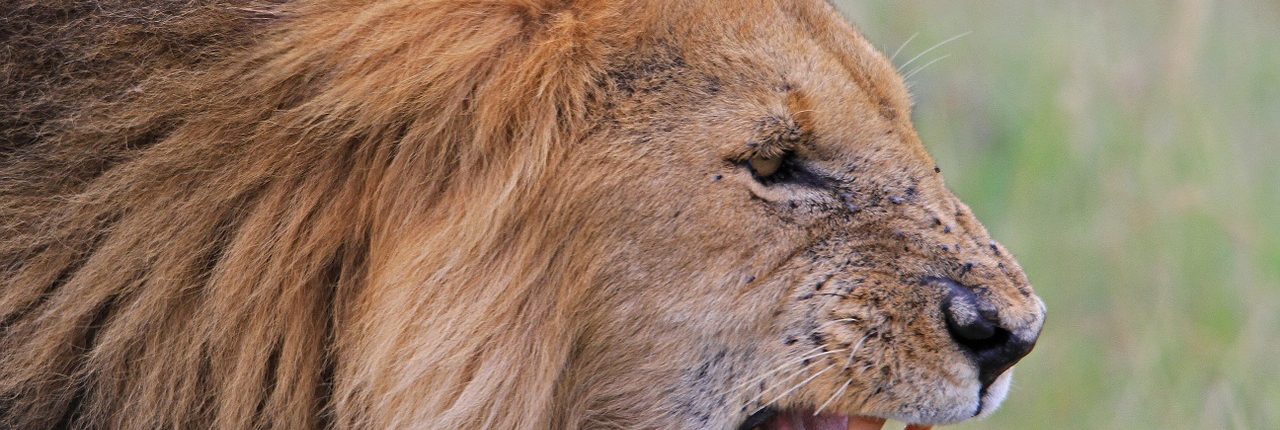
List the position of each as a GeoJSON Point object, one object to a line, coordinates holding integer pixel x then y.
{"type": "Point", "coordinates": [209, 236]}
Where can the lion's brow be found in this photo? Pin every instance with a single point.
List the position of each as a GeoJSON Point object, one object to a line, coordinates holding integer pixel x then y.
{"type": "Point", "coordinates": [786, 129]}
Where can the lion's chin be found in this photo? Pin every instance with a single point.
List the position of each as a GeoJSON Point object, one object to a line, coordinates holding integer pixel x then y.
{"type": "Point", "coordinates": [807, 420]}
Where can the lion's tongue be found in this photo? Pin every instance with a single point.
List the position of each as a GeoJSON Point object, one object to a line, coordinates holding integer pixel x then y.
{"type": "Point", "coordinates": [808, 421]}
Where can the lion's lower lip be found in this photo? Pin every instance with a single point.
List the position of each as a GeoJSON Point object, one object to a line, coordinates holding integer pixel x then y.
{"type": "Point", "coordinates": [807, 420]}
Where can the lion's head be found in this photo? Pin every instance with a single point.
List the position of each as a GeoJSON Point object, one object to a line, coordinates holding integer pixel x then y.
{"type": "Point", "coordinates": [492, 214]}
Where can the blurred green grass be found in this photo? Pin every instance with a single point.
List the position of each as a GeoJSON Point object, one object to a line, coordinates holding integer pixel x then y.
{"type": "Point", "coordinates": [1129, 154]}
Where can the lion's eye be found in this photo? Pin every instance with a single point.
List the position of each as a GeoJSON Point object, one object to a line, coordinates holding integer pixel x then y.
{"type": "Point", "coordinates": [785, 169]}
{"type": "Point", "coordinates": [765, 167]}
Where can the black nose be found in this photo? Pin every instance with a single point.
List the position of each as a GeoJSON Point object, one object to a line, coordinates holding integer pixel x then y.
{"type": "Point", "coordinates": [974, 323]}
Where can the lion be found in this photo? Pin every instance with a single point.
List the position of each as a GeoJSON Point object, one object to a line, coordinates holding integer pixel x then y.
{"type": "Point", "coordinates": [481, 214]}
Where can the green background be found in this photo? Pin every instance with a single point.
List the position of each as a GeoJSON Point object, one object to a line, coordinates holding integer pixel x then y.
{"type": "Point", "coordinates": [1128, 152]}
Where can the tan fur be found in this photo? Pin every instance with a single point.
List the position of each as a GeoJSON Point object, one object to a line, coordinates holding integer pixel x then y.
{"type": "Point", "coordinates": [467, 214]}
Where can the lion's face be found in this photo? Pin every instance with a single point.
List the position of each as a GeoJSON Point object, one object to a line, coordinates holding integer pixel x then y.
{"type": "Point", "coordinates": [780, 243]}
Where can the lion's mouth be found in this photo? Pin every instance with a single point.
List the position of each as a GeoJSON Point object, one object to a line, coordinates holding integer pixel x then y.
{"type": "Point", "coordinates": [772, 419]}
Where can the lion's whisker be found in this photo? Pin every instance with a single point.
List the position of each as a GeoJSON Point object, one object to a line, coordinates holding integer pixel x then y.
{"type": "Point", "coordinates": [788, 376]}
{"type": "Point", "coordinates": [917, 70]}
{"type": "Point", "coordinates": [849, 362]}
{"type": "Point", "coordinates": [797, 386]}
{"type": "Point", "coordinates": [939, 45]}
{"type": "Point", "coordinates": [821, 326]}
{"type": "Point", "coordinates": [833, 396]}
{"type": "Point", "coordinates": [900, 47]}
{"type": "Point", "coordinates": [788, 364]}
{"type": "Point", "coordinates": [785, 365]}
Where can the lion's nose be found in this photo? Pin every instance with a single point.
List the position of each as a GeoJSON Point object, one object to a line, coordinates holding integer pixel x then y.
{"type": "Point", "coordinates": [974, 323]}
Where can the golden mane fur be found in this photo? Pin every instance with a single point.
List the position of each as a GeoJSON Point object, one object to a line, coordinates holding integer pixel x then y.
{"type": "Point", "coordinates": [219, 212]}
{"type": "Point", "coordinates": [352, 214]}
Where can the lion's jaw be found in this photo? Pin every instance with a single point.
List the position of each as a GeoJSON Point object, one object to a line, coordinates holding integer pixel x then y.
{"type": "Point", "coordinates": [728, 295]}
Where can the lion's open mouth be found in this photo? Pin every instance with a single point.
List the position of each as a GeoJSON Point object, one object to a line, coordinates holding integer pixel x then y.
{"type": "Point", "coordinates": [772, 419]}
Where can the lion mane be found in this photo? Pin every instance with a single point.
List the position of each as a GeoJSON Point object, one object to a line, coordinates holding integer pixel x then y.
{"type": "Point", "coordinates": [191, 196]}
